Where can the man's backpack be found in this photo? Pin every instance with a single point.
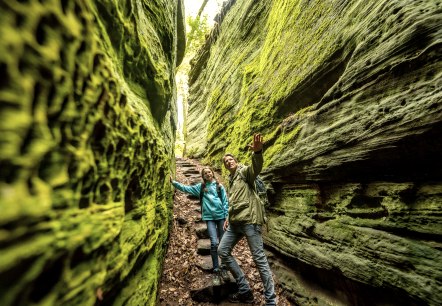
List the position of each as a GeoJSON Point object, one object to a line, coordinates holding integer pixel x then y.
{"type": "Point", "coordinates": [259, 188]}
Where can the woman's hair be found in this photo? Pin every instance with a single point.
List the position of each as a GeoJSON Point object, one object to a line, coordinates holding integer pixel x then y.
{"type": "Point", "coordinates": [204, 181]}
{"type": "Point", "coordinates": [202, 173]}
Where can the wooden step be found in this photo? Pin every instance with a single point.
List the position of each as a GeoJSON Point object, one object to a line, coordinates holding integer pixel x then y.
{"type": "Point", "coordinates": [214, 294]}
{"type": "Point", "coordinates": [201, 230]}
{"type": "Point", "coordinates": [204, 263]}
{"type": "Point", "coordinates": [203, 247]}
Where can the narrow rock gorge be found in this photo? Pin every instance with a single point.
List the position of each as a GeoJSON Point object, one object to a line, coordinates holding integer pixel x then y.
{"type": "Point", "coordinates": [87, 131]}
{"type": "Point", "coordinates": [348, 95]}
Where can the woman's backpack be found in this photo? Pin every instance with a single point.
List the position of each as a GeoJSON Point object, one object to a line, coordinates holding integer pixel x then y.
{"type": "Point", "coordinates": [203, 186]}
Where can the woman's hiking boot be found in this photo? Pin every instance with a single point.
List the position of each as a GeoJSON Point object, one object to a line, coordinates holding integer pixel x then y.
{"type": "Point", "coordinates": [225, 275]}
{"type": "Point", "coordinates": [216, 277]}
{"type": "Point", "coordinates": [216, 280]}
{"type": "Point", "coordinates": [246, 297]}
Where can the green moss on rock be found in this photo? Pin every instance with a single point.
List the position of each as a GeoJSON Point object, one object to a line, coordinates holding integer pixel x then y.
{"type": "Point", "coordinates": [347, 96]}
{"type": "Point", "coordinates": [87, 120]}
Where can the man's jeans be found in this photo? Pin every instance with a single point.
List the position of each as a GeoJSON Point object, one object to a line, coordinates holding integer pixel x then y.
{"type": "Point", "coordinates": [215, 230]}
{"type": "Point", "coordinates": [252, 232]}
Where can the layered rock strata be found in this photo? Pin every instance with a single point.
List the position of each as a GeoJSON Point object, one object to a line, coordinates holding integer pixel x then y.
{"type": "Point", "coordinates": [348, 95]}
{"type": "Point", "coordinates": [87, 120]}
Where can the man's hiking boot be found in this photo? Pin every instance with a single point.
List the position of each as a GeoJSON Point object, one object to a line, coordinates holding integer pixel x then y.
{"type": "Point", "coordinates": [246, 297]}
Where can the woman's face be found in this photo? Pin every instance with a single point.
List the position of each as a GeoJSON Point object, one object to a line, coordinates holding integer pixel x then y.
{"type": "Point", "coordinates": [208, 175]}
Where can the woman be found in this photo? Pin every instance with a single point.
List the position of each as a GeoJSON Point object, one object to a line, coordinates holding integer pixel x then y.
{"type": "Point", "coordinates": [214, 208]}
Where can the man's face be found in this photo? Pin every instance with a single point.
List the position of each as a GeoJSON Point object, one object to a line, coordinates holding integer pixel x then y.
{"type": "Point", "coordinates": [230, 163]}
{"type": "Point", "coordinates": [207, 174]}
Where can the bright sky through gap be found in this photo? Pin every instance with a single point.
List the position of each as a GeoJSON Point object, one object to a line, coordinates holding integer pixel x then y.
{"type": "Point", "coordinates": [191, 8]}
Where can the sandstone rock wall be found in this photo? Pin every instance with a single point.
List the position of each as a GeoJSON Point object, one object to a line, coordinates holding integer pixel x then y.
{"type": "Point", "coordinates": [87, 120]}
{"type": "Point", "coordinates": [349, 97]}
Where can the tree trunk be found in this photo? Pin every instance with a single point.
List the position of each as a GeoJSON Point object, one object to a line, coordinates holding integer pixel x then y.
{"type": "Point", "coordinates": [203, 5]}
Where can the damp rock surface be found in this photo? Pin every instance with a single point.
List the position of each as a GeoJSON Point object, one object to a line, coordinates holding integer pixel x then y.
{"type": "Point", "coordinates": [348, 97]}
{"type": "Point", "coordinates": [87, 120]}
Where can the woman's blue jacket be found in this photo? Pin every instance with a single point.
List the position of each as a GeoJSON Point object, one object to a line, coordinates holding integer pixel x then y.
{"type": "Point", "coordinates": [212, 207]}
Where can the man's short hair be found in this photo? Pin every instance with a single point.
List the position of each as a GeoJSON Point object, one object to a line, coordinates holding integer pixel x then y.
{"type": "Point", "coordinates": [231, 155]}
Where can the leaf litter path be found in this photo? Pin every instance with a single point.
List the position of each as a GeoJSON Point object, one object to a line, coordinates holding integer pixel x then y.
{"type": "Point", "coordinates": [187, 266]}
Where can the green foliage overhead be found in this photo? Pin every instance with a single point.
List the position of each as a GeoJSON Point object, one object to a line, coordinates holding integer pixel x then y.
{"type": "Point", "coordinates": [198, 28]}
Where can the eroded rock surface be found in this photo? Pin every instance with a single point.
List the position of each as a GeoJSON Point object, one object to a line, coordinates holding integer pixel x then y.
{"type": "Point", "coordinates": [87, 103]}
{"type": "Point", "coordinates": [349, 97]}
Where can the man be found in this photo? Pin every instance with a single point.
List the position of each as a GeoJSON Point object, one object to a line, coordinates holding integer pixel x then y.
{"type": "Point", "coordinates": [246, 216]}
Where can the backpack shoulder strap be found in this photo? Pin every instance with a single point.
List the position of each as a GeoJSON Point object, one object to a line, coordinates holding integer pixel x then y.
{"type": "Point", "coordinates": [218, 189]}
{"type": "Point", "coordinates": [203, 186]}
{"type": "Point", "coordinates": [241, 175]}
{"type": "Point", "coordinates": [245, 180]}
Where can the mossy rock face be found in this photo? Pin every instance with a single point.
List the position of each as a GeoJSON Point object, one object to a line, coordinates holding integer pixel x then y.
{"type": "Point", "coordinates": [87, 120]}
{"type": "Point", "coordinates": [348, 97]}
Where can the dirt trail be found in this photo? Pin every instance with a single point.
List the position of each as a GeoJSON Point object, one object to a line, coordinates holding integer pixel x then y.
{"type": "Point", "coordinates": [187, 278]}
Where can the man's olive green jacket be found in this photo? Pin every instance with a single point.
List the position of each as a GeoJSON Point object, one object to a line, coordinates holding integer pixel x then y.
{"type": "Point", "coordinates": [245, 207]}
